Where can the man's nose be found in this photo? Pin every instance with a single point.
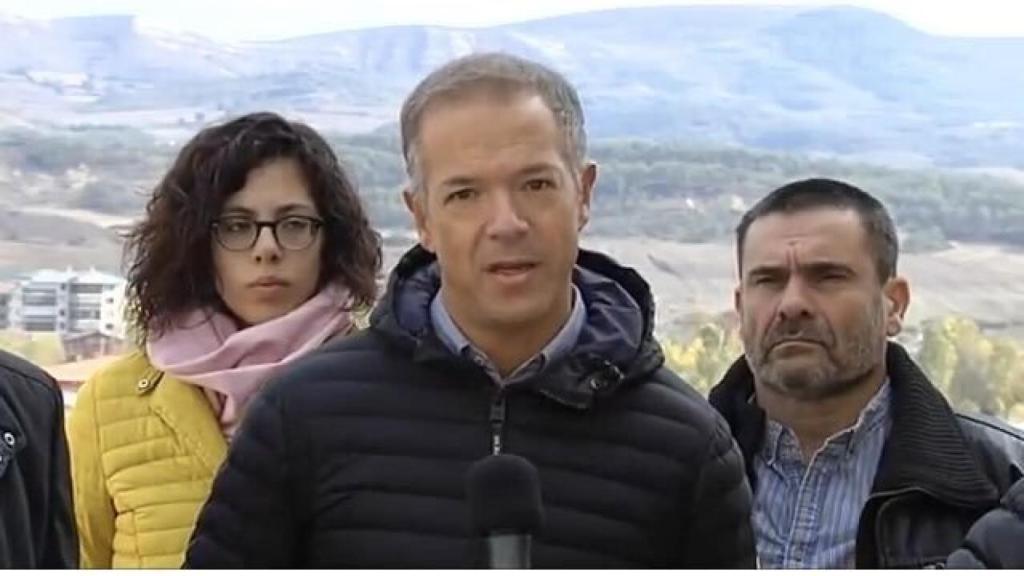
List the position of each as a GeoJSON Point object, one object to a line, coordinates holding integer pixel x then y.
{"type": "Point", "coordinates": [795, 303]}
{"type": "Point", "coordinates": [506, 219]}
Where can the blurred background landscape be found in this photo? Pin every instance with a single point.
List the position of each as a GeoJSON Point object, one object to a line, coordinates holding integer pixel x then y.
{"type": "Point", "coordinates": [694, 112]}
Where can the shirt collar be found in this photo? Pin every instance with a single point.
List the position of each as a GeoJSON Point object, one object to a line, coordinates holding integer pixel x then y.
{"type": "Point", "coordinates": [558, 347]}
{"type": "Point", "coordinates": [871, 416]}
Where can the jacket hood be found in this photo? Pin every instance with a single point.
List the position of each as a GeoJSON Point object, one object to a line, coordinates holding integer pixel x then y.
{"type": "Point", "coordinates": [616, 346]}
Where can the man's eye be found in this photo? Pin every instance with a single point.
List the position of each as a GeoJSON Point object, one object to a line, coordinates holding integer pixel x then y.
{"type": "Point", "coordinates": [459, 195]}
{"type": "Point", "coordinates": [538, 184]}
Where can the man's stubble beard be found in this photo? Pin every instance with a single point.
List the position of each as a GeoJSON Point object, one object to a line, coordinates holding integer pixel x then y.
{"type": "Point", "coordinates": [842, 365]}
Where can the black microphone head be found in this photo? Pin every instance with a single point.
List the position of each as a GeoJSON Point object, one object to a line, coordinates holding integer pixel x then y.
{"type": "Point", "coordinates": [504, 496]}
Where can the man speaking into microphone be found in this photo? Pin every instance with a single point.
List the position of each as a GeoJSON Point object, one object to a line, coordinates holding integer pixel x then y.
{"type": "Point", "coordinates": [497, 335]}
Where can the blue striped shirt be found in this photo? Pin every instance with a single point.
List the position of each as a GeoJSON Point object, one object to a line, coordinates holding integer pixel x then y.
{"type": "Point", "coordinates": [806, 515]}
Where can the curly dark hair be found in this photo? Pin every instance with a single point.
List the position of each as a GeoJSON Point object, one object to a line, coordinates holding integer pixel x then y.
{"type": "Point", "coordinates": [169, 257]}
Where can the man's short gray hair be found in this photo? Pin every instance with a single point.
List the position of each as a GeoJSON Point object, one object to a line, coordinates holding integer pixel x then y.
{"type": "Point", "coordinates": [495, 71]}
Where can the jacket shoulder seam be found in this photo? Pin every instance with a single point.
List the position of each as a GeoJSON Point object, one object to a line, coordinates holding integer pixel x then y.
{"type": "Point", "coordinates": [119, 378]}
{"type": "Point", "coordinates": [1004, 429]}
{"type": "Point", "coordinates": [39, 384]}
{"type": "Point", "coordinates": [43, 379]}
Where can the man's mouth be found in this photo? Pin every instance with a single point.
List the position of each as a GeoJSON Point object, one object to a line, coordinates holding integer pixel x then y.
{"type": "Point", "coordinates": [511, 268]}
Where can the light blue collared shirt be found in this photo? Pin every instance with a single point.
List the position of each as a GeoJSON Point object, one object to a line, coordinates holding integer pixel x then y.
{"type": "Point", "coordinates": [807, 515]}
{"type": "Point", "coordinates": [559, 347]}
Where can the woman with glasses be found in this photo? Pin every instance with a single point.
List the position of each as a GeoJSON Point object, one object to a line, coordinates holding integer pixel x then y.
{"type": "Point", "coordinates": [253, 251]}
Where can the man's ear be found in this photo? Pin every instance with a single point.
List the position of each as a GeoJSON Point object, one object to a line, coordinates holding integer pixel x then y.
{"type": "Point", "coordinates": [588, 178]}
{"type": "Point", "coordinates": [896, 300]}
{"type": "Point", "coordinates": [416, 203]}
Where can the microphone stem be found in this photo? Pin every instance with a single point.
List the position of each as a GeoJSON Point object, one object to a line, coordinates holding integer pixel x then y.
{"type": "Point", "coordinates": [509, 551]}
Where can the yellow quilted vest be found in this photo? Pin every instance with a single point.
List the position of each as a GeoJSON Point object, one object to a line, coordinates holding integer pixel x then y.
{"type": "Point", "coordinates": [144, 450]}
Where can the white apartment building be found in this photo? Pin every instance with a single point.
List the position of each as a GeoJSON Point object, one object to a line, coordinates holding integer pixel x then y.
{"type": "Point", "coordinates": [6, 289]}
{"type": "Point", "coordinates": [69, 302]}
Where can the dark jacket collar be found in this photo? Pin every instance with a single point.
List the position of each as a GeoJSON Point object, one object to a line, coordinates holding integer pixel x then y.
{"type": "Point", "coordinates": [616, 346]}
{"type": "Point", "coordinates": [926, 448]}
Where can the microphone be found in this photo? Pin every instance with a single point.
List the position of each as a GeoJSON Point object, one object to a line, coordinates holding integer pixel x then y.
{"type": "Point", "coordinates": [505, 504]}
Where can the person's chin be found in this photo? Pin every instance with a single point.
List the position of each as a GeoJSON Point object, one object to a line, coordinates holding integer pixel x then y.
{"type": "Point", "coordinates": [515, 310]}
{"type": "Point", "coordinates": [805, 362]}
{"type": "Point", "coordinates": [807, 380]}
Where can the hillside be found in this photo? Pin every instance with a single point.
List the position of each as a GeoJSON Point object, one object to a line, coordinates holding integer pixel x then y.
{"type": "Point", "coordinates": [694, 112]}
{"type": "Point", "coordinates": [669, 191]}
{"type": "Point", "coordinates": [666, 209]}
{"type": "Point", "coordinates": [841, 81]}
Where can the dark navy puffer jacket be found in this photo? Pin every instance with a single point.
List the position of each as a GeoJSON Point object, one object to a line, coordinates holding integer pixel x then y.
{"type": "Point", "coordinates": [356, 456]}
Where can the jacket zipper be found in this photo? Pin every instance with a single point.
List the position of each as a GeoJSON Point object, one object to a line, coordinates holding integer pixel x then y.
{"type": "Point", "coordinates": [497, 422]}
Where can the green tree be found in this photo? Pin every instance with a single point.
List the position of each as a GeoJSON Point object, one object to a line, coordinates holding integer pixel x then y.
{"type": "Point", "coordinates": [703, 360]}
{"type": "Point", "coordinates": [937, 355]}
{"type": "Point", "coordinates": [975, 372]}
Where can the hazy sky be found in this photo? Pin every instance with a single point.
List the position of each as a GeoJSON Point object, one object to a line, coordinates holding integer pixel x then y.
{"type": "Point", "coordinates": [261, 20]}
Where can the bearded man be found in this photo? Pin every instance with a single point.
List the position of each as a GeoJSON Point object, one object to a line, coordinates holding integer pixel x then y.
{"type": "Point", "coordinates": [856, 459]}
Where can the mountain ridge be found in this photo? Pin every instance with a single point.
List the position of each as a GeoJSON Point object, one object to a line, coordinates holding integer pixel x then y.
{"type": "Point", "coordinates": [835, 80]}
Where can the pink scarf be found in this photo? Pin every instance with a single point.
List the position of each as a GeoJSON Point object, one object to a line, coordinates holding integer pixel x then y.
{"type": "Point", "coordinates": [206, 348]}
